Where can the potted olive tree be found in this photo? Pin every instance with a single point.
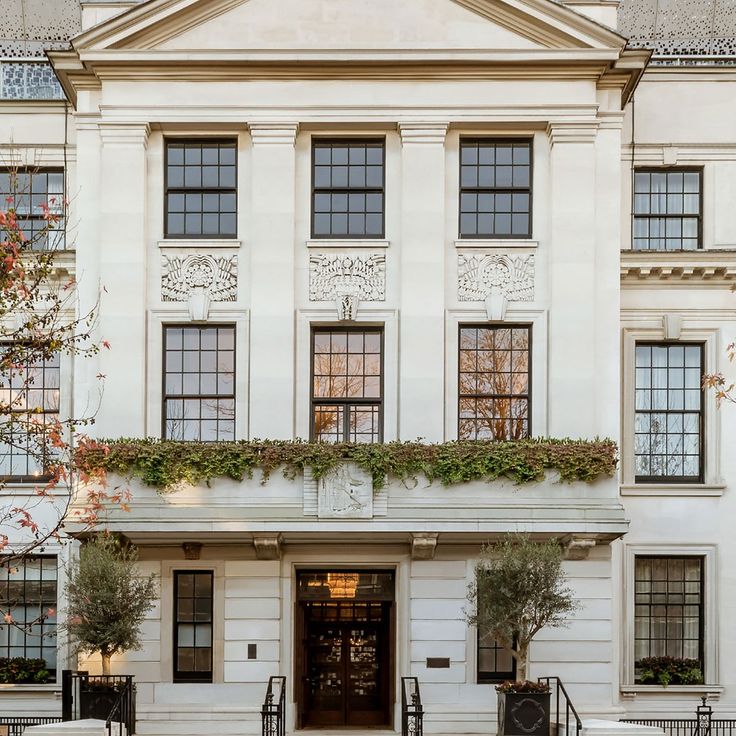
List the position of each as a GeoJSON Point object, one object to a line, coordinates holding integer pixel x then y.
{"type": "Point", "coordinates": [519, 589]}
{"type": "Point", "coordinates": [107, 601]}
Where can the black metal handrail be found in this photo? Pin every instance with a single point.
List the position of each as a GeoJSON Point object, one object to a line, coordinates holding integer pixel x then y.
{"type": "Point", "coordinates": [122, 712]}
{"type": "Point", "coordinates": [412, 712]}
{"type": "Point", "coordinates": [570, 713]}
{"type": "Point", "coordinates": [273, 722]}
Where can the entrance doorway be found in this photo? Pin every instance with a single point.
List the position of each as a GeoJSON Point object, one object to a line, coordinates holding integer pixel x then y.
{"type": "Point", "coordinates": [345, 663]}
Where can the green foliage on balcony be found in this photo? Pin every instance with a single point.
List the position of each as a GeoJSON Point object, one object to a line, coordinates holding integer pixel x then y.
{"type": "Point", "coordinates": [165, 463]}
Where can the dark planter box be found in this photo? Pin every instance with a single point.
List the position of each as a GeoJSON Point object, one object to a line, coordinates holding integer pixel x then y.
{"type": "Point", "coordinates": [523, 714]}
{"type": "Point", "coordinates": [97, 700]}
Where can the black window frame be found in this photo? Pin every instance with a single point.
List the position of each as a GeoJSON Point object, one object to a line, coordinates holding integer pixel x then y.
{"type": "Point", "coordinates": [34, 215]}
{"type": "Point", "coordinates": [194, 675]}
{"type": "Point", "coordinates": [701, 603]}
{"type": "Point", "coordinates": [166, 396]}
{"type": "Point", "coordinates": [42, 621]}
{"type": "Point", "coordinates": [173, 140]}
{"type": "Point", "coordinates": [494, 140]}
{"type": "Point", "coordinates": [699, 170]}
{"type": "Point", "coordinates": [529, 327]}
{"type": "Point", "coordinates": [491, 676]}
{"type": "Point", "coordinates": [347, 401]}
{"type": "Point", "coordinates": [700, 478]}
{"type": "Point", "coordinates": [16, 450]}
{"type": "Point", "coordinates": [337, 141]}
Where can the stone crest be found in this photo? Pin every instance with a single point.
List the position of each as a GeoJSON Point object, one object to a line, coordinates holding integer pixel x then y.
{"type": "Point", "coordinates": [348, 280]}
{"type": "Point", "coordinates": [199, 279]}
{"type": "Point", "coordinates": [345, 493]}
{"type": "Point", "coordinates": [495, 279]}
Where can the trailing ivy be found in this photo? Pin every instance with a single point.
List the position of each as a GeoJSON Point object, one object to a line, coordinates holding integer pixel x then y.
{"type": "Point", "coordinates": [166, 463]}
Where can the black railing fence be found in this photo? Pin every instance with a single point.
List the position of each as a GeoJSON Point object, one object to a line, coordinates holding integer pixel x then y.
{"type": "Point", "coordinates": [273, 721]}
{"type": "Point", "coordinates": [109, 698]}
{"type": "Point", "coordinates": [15, 725]}
{"type": "Point", "coordinates": [702, 725]}
{"type": "Point", "coordinates": [562, 712]}
{"type": "Point", "coordinates": [412, 713]}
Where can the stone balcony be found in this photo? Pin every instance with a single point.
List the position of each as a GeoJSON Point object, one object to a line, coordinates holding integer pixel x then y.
{"type": "Point", "coordinates": [303, 508]}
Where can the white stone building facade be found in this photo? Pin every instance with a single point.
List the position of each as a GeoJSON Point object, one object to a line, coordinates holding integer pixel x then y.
{"type": "Point", "coordinates": [270, 187]}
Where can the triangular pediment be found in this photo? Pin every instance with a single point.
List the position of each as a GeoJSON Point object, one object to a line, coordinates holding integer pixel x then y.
{"type": "Point", "coordinates": [370, 25]}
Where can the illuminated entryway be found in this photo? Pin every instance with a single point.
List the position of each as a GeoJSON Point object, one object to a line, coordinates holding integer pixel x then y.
{"type": "Point", "coordinates": [345, 647]}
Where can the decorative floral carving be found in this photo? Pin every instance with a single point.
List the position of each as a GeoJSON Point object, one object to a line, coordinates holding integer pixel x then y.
{"type": "Point", "coordinates": [496, 279]}
{"type": "Point", "coordinates": [348, 279]}
{"type": "Point", "coordinates": [199, 279]}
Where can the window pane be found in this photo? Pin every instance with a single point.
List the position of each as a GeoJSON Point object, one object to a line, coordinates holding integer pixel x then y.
{"type": "Point", "coordinates": [495, 188]}
{"type": "Point", "coordinates": [494, 382]}
{"type": "Point", "coordinates": [675, 197]}
{"type": "Point", "coordinates": [663, 626]}
{"type": "Point", "coordinates": [28, 592]}
{"type": "Point", "coordinates": [193, 628]}
{"type": "Point", "coordinates": [347, 385]}
{"type": "Point", "coordinates": [347, 177]}
{"type": "Point", "coordinates": [199, 367]}
{"type": "Point", "coordinates": [668, 420]}
{"type": "Point", "coordinates": [201, 178]}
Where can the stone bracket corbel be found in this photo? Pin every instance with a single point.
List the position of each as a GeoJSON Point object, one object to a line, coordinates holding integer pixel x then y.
{"type": "Point", "coordinates": [268, 546]}
{"type": "Point", "coordinates": [423, 546]}
{"type": "Point", "coordinates": [578, 548]}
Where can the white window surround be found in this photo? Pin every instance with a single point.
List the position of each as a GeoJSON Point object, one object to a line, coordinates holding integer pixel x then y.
{"type": "Point", "coordinates": [496, 243]}
{"type": "Point", "coordinates": [537, 319]}
{"type": "Point", "coordinates": [347, 243]}
{"type": "Point", "coordinates": [157, 318]}
{"type": "Point", "coordinates": [166, 592]}
{"type": "Point", "coordinates": [710, 633]}
{"type": "Point", "coordinates": [650, 329]}
{"type": "Point", "coordinates": [367, 317]}
{"type": "Point", "coordinates": [200, 243]}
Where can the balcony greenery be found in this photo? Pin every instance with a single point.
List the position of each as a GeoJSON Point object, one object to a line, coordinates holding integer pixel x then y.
{"type": "Point", "coordinates": [165, 464]}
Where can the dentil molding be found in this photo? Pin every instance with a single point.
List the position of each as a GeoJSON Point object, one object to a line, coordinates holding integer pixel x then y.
{"type": "Point", "coordinates": [347, 279]}
{"type": "Point", "coordinates": [496, 279]}
{"type": "Point", "coordinates": [199, 279]}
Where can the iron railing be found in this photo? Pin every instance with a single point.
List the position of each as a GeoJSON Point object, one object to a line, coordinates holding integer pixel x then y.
{"type": "Point", "coordinates": [412, 712]}
{"type": "Point", "coordinates": [122, 716]}
{"type": "Point", "coordinates": [273, 722]}
{"type": "Point", "coordinates": [17, 724]}
{"type": "Point", "coordinates": [562, 706]}
{"type": "Point", "coordinates": [702, 725]}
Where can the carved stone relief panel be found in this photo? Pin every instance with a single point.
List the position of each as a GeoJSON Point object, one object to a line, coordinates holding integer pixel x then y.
{"type": "Point", "coordinates": [345, 493]}
{"type": "Point", "coordinates": [199, 279]}
{"type": "Point", "coordinates": [495, 279]}
{"type": "Point", "coordinates": [347, 280]}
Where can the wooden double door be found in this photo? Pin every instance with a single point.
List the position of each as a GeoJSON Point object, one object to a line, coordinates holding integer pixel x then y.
{"type": "Point", "coordinates": [347, 663]}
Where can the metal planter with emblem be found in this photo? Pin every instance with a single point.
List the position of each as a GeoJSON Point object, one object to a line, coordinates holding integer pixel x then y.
{"type": "Point", "coordinates": [523, 714]}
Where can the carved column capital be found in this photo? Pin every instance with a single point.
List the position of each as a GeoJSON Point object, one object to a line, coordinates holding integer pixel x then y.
{"type": "Point", "coordinates": [124, 134]}
{"type": "Point", "coordinates": [413, 133]}
{"type": "Point", "coordinates": [578, 548]}
{"type": "Point", "coordinates": [264, 134]}
{"type": "Point", "coordinates": [572, 132]}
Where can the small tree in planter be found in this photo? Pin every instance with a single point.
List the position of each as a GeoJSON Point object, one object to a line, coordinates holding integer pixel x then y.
{"type": "Point", "coordinates": [519, 589]}
{"type": "Point", "coordinates": [107, 598]}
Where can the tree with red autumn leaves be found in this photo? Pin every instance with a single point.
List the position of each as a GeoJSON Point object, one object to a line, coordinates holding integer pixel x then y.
{"type": "Point", "coordinates": [42, 328]}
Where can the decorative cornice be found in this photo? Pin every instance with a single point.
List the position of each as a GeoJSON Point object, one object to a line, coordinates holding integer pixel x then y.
{"type": "Point", "coordinates": [583, 131]}
{"type": "Point", "coordinates": [433, 133]}
{"type": "Point", "coordinates": [711, 266]}
{"type": "Point", "coordinates": [124, 134]}
{"type": "Point", "coordinates": [263, 134]}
